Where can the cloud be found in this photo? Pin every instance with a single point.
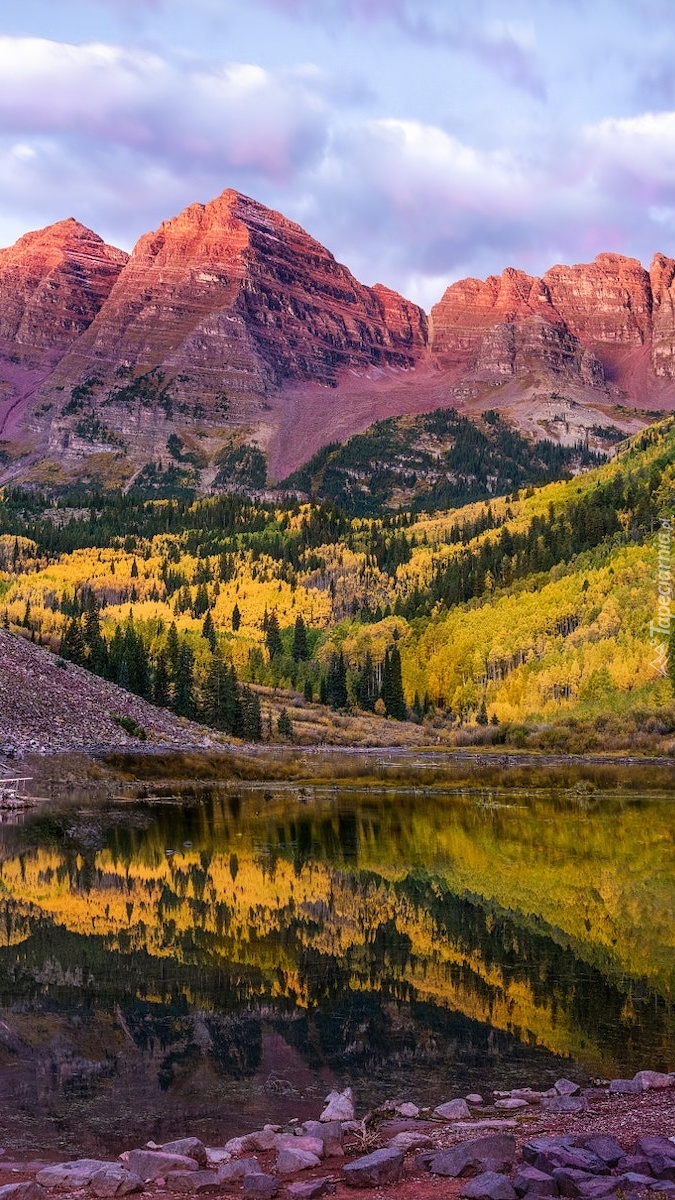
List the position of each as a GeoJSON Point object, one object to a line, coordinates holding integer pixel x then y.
{"type": "Point", "coordinates": [123, 139]}
{"type": "Point", "coordinates": [640, 148]}
{"type": "Point", "coordinates": [506, 47]}
{"type": "Point", "coordinates": [236, 115]}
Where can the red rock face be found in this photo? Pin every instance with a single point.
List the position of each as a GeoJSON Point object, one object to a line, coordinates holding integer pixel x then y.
{"type": "Point", "coordinates": [604, 303]}
{"type": "Point", "coordinates": [230, 297]}
{"type": "Point", "coordinates": [506, 327]}
{"type": "Point", "coordinates": [662, 282]}
{"type": "Point", "coordinates": [249, 327]}
{"type": "Point", "coordinates": [52, 284]}
{"type": "Point", "coordinates": [608, 321]}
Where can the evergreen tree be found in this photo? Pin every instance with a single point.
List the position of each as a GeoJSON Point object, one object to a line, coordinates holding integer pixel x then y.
{"type": "Point", "coordinates": [183, 684]}
{"type": "Point", "coordinates": [273, 636]}
{"type": "Point", "coordinates": [250, 726]}
{"type": "Point", "coordinates": [236, 618]}
{"type": "Point", "coordinates": [172, 648]}
{"type": "Point", "coordinates": [137, 662]}
{"type": "Point", "coordinates": [309, 691]}
{"type": "Point", "coordinates": [97, 655]}
{"type": "Point", "coordinates": [482, 717]}
{"type": "Point", "coordinates": [367, 687]}
{"type": "Point", "coordinates": [161, 693]}
{"type": "Point", "coordinates": [72, 643]}
{"type": "Point", "coordinates": [392, 685]}
{"type": "Point", "coordinates": [284, 725]}
{"type": "Point", "coordinates": [300, 649]}
{"type": "Point", "coordinates": [201, 603]}
{"type": "Point", "coordinates": [336, 682]}
{"type": "Point", "coordinates": [209, 631]}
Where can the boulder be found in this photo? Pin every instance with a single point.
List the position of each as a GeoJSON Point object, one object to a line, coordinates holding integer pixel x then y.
{"type": "Point", "coordinates": [512, 1104]}
{"type": "Point", "coordinates": [155, 1164]}
{"type": "Point", "coordinates": [474, 1157]}
{"type": "Point", "coordinates": [453, 1110]}
{"type": "Point", "coordinates": [624, 1087]}
{"type": "Point", "coordinates": [474, 1098]}
{"type": "Point", "coordinates": [637, 1163]}
{"type": "Point", "coordinates": [115, 1180]}
{"type": "Point", "coordinates": [260, 1140]}
{"type": "Point", "coordinates": [23, 1191]}
{"type": "Point", "coordinates": [373, 1170]}
{"type": "Point", "coordinates": [216, 1155]}
{"type": "Point", "coordinates": [339, 1106]}
{"type": "Point", "coordinates": [572, 1158]}
{"type": "Point", "coordinates": [289, 1162]}
{"type": "Point", "coordinates": [648, 1081]}
{"type": "Point", "coordinates": [261, 1186]}
{"type": "Point", "coordinates": [330, 1133]}
{"type": "Point", "coordinates": [407, 1110]}
{"type": "Point", "coordinates": [575, 1183]}
{"type": "Point", "coordinates": [194, 1183]}
{"type": "Point", "coordinates": [649, 1146]}
{"type": "Point", "coordinates": [489, 1186]}
{"type": "Point", "coordinates": [301, 1141]}
{"type": "Point", "coordinates": [531, 1182]}
{"type": "Point", "coordinates": [239, 1168]}
{"type": "Point", "coordinates": [309, 1189]}
{"type": "Point", "coordinates": [565, 1087]}
{"type": "Point", "coordinates": [190, 1146]}
{"type": "Point", "coordinates": [76, 1174]}
{"type": "Point", "coordinates": [604, 1148]}
{"type": "Point", "coordinates": [541, 1145]}
{"type": "Point", "coordinates": [409, 1140]}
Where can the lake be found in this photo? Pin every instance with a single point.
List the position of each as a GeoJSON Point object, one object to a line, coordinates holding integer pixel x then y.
{"type": "Point", "coordinates": [198, 958]}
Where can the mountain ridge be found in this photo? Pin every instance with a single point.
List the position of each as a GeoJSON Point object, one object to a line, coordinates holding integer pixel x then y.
{"type": "Point", "coordinates": [231, 324]}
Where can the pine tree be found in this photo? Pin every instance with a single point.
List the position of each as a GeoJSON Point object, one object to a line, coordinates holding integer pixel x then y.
{"type": "Point", "coordinates": [201, 602]}
{"type": "Point", "coordinates": [214, 693]}
{"type": "Point", "coordinates": [367, 688]}
{"type": "Point", "coordinates": [250, 726]}
{"type": "Point", "coordinates": [284, 725]}
{"type": "Point", "coordinates": [336, 682]}
{"type": "Point", "coordinates": [236, 618]}
{"type": "Point", "coordinates": [300, 649]}
{"type": "Point", "coordinates": [183, 686]}
{"type": "Point", "coordinates": [72, 643]}
{"type": "Point", "coordinates": [209, 631]}
{"type": "Point", "coordinates": [161, 693]}
{"type": "Point", "coordinates": [172, 648]}
{"type": "Point", "coordinates": [392, 685]}
{"type": "Point", "coordinates": [482, 717]}
{"type": "Point", "coordinates": [273, 636]}
{"type": "Point", "coordinates": [97, 654]}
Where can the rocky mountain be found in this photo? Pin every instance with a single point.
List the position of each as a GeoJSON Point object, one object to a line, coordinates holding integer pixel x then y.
{"type": "Point", "coordinates": [230, 325]}
{"type": "Point", "coordinates": [52, 285]}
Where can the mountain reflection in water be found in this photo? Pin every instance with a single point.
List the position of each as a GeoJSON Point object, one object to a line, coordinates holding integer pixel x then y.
{"type": "Point", "coordinates": [202, 965]}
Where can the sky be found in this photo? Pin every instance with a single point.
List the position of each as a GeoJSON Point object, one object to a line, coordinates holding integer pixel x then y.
{"type": "Point", "coordinates": [421, 141]}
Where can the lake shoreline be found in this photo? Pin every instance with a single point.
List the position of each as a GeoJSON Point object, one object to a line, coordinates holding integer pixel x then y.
{"type": "Point", "coordinates": [414, 1154]}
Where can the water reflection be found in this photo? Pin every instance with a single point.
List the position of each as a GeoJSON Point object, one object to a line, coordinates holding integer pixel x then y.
{"type": "Point", "coordinates": [217, 958]}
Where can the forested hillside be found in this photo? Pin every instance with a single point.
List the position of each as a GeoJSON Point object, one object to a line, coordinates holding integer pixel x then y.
{"type": "Point", "coordinates": [434, 461]}
{"type": "Point", "coordinates": [525, 619]}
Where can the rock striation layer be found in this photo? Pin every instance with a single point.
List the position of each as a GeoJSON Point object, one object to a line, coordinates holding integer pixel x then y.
{"type": "Point", "coordinates": [605, 322]}
{"type": "Point", "coordinates": [233, 298]}
{"type": "Point", "coordinates": [230, 322]}
{"type": "Point", "coordinates": [52, 285]}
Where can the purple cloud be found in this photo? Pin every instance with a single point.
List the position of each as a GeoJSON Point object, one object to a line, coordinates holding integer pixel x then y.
{"type": "Point", "coordinates": [502, 46]}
